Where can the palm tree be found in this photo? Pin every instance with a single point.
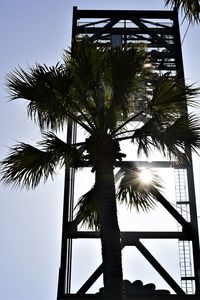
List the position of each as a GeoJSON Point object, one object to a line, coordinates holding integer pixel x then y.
{"type": "Point", "coordinates": [191, 8]}
{"type": "Point", "coordinates": [102, 91]}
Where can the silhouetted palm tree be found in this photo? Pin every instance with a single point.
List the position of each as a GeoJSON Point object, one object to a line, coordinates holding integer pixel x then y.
{"type": "Point", "coordinates": [191, 8]}
{"type": "Point", "coordinates": [101, 90]}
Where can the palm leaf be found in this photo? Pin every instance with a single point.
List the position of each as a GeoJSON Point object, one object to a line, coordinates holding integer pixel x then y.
{"type": "Point", "coordinates": [191, 8]}
{"type": "Point", "coordinates": [124, 67]}
{"type": "Point", "coordinates": [46, 89]}
{"type": "Point", "coordinates": [125, 74]}
{"type": "Point", "coordinates": [135, 193]}
{"type": "Point", "coordinates": [131, 191]}
{"type": "Point", "coordinates": [171, 95]}
{"type": "Point", "coordinates": [27, 166]}
{"type": "Point", "coordinates": [68, 154]}
{"type": "Point", "coordinates": [169, 100]}
{"type": "Point", "coordinates": [174, 139]}
{"type": "Point", "coordinates": [85, 62]}
{"type": "Point", "coordinates": [87, 212]}
{"type": "Point", "coordinates": [49, 94]}
{"type": "Point", "coordinates": [104, 78]}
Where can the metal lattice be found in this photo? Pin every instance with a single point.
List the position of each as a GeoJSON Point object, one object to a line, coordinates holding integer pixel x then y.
{"type": "Point", "coordinates": [185, 255]}
{"type": "Point", "coordinates": [159, 31]}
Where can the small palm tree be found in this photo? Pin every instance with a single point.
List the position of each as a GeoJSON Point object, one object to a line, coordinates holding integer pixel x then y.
{"type": "Point", "coordinates": [101, 90]}
{"type": "Point", "coordinates": [191, 8]}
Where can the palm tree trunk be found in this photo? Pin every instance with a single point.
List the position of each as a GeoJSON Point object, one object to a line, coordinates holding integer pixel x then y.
{"type": "Point", "coordinates": [109, 230]}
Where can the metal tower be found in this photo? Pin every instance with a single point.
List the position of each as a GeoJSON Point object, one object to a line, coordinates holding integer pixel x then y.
{"type": "Point", "coordinates": [159, 30]}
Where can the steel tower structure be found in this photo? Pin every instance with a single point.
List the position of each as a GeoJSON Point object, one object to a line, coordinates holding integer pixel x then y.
{"type": "Point", "coordinates": [159, 31]}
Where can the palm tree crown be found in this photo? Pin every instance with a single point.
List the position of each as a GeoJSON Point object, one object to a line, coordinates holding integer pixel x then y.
{"type": "Point", "coordinates": [104, 91]}
{"type": "Point", "coordinates": [191, 8]}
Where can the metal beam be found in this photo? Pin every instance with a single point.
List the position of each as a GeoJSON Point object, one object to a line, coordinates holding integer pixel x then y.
{"type": "Point", "coordinates": [91, 280]}
{"type": "Point", "coordinates": [164, 274]}
{"type": "Point", "coordinates": [85, 287]}
{"type": "Point", "coordinates": [120, 30]}
{"type": "Point", "coordinates": [104, 29]}
{"type": "Point", "coordinates": [124, 14]}
{"type": "Point", "coordinates": [129, 237]}
{"type": "Point", "coordinates": [126, 241]}
{"type": "Point", "coordinates": [143, 164]}
{"type": "Point", "coordinates": [152, 164]}
{"type": "Point", "coordinates": [155, 37]}
{"type": "Point", "coordinates": [186, 225]}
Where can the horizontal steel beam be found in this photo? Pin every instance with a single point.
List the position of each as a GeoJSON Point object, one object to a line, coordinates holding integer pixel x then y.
{"type": "Point", "coordinates": [122, 30]}
{"type": "Point", "coordinates": [143, 164]}
{"type": "Point", "coordinates": [124, 14]}
{"type": "Point", "coordinates": [152, 164]}
{"type": "Point", "coordinates": [135, 297]}
{"type": "Point", "coordinates": [128, 237]}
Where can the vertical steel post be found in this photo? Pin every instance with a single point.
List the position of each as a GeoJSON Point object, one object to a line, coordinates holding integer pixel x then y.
{"type": "Point", "coordinates": [64, 278]}
{"type": "Point", "coordinates": [190, 174]}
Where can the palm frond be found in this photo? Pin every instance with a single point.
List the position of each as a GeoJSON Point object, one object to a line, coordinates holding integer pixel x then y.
{"type": "Point", "coordinates": [135, 193]}
{"type": "Point", "coordinates": [171, 95]}
{"type": "Point", "coordinates": [124, 73]}
{"type": "Point", "coordinates": [26, 166]}
{"type": "Point", "coordinates": [85, 62]}
{"type": "Point", "coordinates": [191, 8]}
{"type": "Point", "coordinates": [68, 154]}
{"type": "Point", "coordinates": [174, 140]}
{"type": "Point", "coordinates": [47, 92]}
{"type": "Point", "coordinates": [124, 67]}
{"type": "Point", "coordinates": [87, 212]}
{"type": "Point", "coordinates": [104, 78]}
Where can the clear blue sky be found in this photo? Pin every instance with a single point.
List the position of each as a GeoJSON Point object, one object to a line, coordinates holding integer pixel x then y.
{"type": "Point", "coordinates": [30, 222]}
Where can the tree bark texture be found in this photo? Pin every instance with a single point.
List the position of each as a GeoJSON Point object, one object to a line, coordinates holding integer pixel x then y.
{"type": "Point", "coordinates": [109, 230]}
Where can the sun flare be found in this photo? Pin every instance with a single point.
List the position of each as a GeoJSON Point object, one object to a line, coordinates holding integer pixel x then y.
{"type": "Point", "coordinates": [146, 176]}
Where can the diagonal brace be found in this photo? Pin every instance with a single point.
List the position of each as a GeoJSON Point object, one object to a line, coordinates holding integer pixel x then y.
{"type": "Point", "coordinates": [160, 198]}
{"type": "Point", "coordinates": [154, 36]}
{"type": "Point", "coordinates": [103, 29]}
{"type": "Point", "coordinates": [91, 280]}
{"type": "Point", "coordinates": [165, 275]}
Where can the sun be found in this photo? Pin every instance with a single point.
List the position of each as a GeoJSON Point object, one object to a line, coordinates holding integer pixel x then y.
{"type": "Point", "coordinates": [146, 176]}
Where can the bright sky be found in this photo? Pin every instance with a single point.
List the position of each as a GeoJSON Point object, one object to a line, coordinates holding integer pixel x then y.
{"type": "Point", "coordinates": [30, 222]}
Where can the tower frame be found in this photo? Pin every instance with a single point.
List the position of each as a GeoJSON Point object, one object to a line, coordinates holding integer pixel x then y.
{"type": "Point", "coordinates": [159, 30]}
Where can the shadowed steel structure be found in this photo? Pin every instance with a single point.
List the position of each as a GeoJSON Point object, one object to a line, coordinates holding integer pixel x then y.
{"type": "Point", "coordinates": [159, 31]}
